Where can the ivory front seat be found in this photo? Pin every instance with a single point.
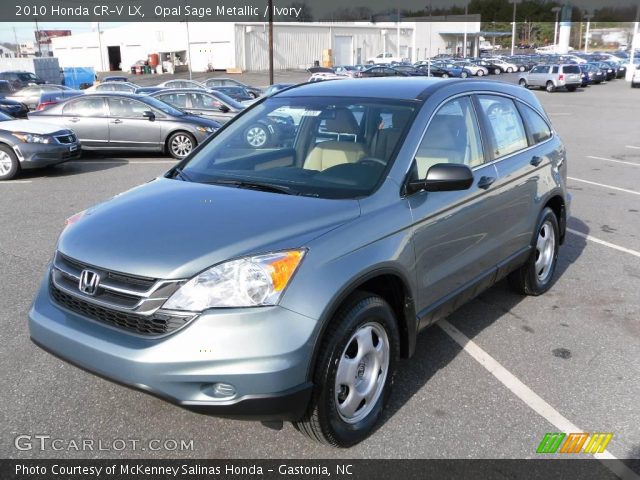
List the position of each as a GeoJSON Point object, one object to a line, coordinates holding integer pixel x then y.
{"type": "Point", "coordinates": [336, 152]}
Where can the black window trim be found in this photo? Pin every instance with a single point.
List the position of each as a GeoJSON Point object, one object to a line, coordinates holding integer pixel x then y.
{"type": "Point", "coordinates": [532, 143]}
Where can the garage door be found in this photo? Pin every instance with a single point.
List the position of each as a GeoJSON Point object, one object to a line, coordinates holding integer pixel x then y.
{"type": "Point", "coordinates": [343, 51]}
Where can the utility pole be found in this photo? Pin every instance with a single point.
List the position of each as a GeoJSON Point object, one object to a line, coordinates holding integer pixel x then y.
{"type": "Point", "coordinates": [464, 46]}
{"type": "Point", "coordinates": [430, 22]}
{"type": "Point", "coordinates": [38, 37]}
{"type": "Point", "coordinates": [588, 18]}
{"type": "Point", "coordinates": [270, 6]}
{"type": "Point", "coordinates": [189, 51]}
{"type": "Point", "coordinates": [556, 10]}
{"type": "Point", "coordinates": [398, 34]}
{"type": "Point", "coordinates": [15, 36]}
{"type": "Point", "coordinates": [513, 29]}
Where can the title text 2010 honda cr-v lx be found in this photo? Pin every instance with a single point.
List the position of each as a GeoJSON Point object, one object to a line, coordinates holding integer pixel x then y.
{"type": "Point", "coordinates": [284, 283]}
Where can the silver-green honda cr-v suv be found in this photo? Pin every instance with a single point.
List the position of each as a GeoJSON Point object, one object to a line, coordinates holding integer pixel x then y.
{"type": "Point", "coordinates": [284, 282]}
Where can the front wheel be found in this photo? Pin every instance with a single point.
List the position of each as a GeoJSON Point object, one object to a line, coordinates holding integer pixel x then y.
{"type": "Point", "coordinates": [181, 144]}
{"type": "Point", "coordinates": [497, 71]}
{"type": "Point", "coordinates": [445, 75]}
{"type": "Point", "coordinates": [536, 275]}
{"type": "Point", "coordinates": [463, 75]}
{"type": "Point", "coordinates": [522, 83]}
{"type": "Point", "coordinates": [509, 70]}
{"type": "Point", "coordinates": [354, 372]}
{"type": "Point", "coordinates": [257, 136]}
{"type": "Point", "coordinates": [9, 165]}
{"type": "Point", "coordinates": [480, 73]}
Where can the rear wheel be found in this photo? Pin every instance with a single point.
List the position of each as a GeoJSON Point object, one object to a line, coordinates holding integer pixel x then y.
{"type": "Point", "coordinates": [9, 165]}
{"type": "Point", "coordinates": [445, 75]}
{"type": "Point", "coordinates": [480, 73]}
{"type": "Point", "coordinates": [257, 136]}
{"type": "Point", "coordinates": [354, 372]}
{"type": "Point", "coordinates": [181, 144]}
{"type": "Point", "coordinates": [509, 70]}
{"type": "Point", "coordinates": [536, 275]}
{"type": "Point", "coordinates": [464, 75]}
{"type": "Point", "coordinates": [550, 87]}
{"type": "Point", "coordinates": [497, 71]}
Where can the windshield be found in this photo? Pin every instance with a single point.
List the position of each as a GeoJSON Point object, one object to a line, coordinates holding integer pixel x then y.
{"type": "Point", "coordinates": [163, 107]}
{"type": "Point", "coordinates": [323, 147]}
{"type": "Point", "coordinates": [228, 100]}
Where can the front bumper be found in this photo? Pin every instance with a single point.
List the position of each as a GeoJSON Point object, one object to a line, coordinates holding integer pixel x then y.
{"type": "Point", "coordinates": [263, 353]}
{"type": "Point", "coordinates": [35, 155]}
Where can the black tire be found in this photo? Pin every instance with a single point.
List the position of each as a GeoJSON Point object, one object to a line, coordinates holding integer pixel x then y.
{"type": "Point", "coordinates": [445, 75]}
{"type": "Point", "coordinates": [464, 74]}
{"type": "Point", "coordinates": [480, 73]}
{"type": "Point", "coordinates": [526, 279]}
{"type": "Point", "coordinates": [178, 144]}
{"type": "Point", "coordinates": [10, 166]}
{"type": "Point", "coordinates": [323, 421]}
{"type": "Point", "coordinates": [572, 89]}
{"type": "Point", "coordinates": [522, 83]}
{"type": "Point", "coordinates": [509, 70]}
{"type": "Point", "coordinates": [497, 71]}
{"type": "Point", "coordinates": [550, 87]}
{"type": "Point", "coordinates": [257, 136]}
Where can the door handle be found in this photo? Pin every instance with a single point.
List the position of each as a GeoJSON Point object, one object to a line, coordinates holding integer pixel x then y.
{"type": "Point", "coordinates": [535, 160]}
{"type": "Point", "coordinates": [117, 120]}
{"type": "Point", "coordinates": [486, 182]}
{"type": "Point", "coordinates": [74, 120]}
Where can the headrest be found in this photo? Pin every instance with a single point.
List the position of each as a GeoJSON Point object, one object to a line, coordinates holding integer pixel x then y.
{"type": "Point", "coordinates": [342, 122]}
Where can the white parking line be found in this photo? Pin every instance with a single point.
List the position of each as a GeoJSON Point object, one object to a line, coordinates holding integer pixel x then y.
{"type": "Point", "coordinates": [606, 244]}
{"type": "Point", "coordinates": [13, 182]}
{"type": "Point", "coordinates": [633, 147]}
{"type": "Point", "coordinates": [529, 397]}
{"type": "Point", "coordinates": [613, 160]}
{"type": "Point", "coordinates": [604, 186]}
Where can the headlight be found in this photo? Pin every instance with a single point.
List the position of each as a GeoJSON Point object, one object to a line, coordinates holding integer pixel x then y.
{"type": "Point", "coordinates": [246, 282]}
{"type": "Point", "coordinates": [205, 129]}
{"type": "Point", "coordinates": [32, 137]}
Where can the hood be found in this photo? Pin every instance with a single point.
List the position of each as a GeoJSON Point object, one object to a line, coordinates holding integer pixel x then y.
{"type": "Point", "coordinates": [29, 126]}
{"type": "Point", "coordinates": [198, 120]}
{"type": "Point", "coordinates": [174, 229]}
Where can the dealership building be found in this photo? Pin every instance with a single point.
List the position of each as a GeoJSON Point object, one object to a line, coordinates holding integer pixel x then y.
{"type": "Point", "coordinates": [244, 45]}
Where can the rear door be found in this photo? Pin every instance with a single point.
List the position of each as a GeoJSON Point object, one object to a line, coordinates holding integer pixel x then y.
{"type": "Point", "coordinates": [87, 117]}
{"type": "Point", "coordinates": [454, 232]}
{"type": "Point", "coordinates": [518, 168]}
{"type": "Point", "coordinates": [129, 128]}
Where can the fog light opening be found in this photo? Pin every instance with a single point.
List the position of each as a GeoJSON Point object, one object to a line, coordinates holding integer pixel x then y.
{"type": "Point", "coordinates": [220, 390]}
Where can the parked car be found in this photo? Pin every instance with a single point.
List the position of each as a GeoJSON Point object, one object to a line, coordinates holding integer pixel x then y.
{"type": "Point", "coordinates": [348, 70]}
{"type": "Point", "coordinates": [635, 79]}
{"type": "Point", "coordinates": [5, 88]}
{"type": "Point", "coordinates": [115, 78]}
{"type": "Point", "coordinates": [31, 95]}
{"type": "Point", "coordinates": [239, 94]}
{"type": "Point", "coordinates": [255, 92]}
{"type": "Point", "coordinates": [21, 79]}
{"type": "Point", "coordinates": [384, 59]}
{"type": "Point", "coordinates": [381, 71]}
{"type": "Point", "coordinates": [607, 69]}
{"type": "Point", "coordinates": [147, 90]}
{"type": "Point", "coordinates": [120, 121]}
{"type": "Point", "coordinates": [276, 87]}
{"type": "Point", "coordinates": [181, 83]}
{"type": "Point", "coordinates": [472, 68]}
{"type": "Point", "coordinates": [25, 144]}
{"type": "Point", "coordinates": [553, 77]}
{"type": "Point", "coordinates": [54, 97]}
{"type": "Point", "coordinates": [454, 70]}
{"type": "Point", "coordinates": [123, 87]}
{"type": "Point", "coordinates": [501, 66]}
{"type": "Point", "coordinates": [207, 103]}
{"type": "Point", "coordinates": [593, 73]}
{"type": "Point", "coordinates": [13, 108]}
{"type": "Point", "coordinates": [286, 283]}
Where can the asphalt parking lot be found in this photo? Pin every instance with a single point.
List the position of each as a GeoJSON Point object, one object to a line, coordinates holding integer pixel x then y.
{"type": "Point", "coordinates": [567, 359]}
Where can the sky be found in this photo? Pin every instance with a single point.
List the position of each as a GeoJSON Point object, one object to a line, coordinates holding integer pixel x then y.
{"type": "Point", "coordinates": [24, 30]}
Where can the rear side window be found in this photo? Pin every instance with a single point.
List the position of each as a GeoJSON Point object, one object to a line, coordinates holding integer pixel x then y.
{"type": "Point", "coordinates": [506, 129]}
{"type": "Point", "coordinates": [571, 69]}
{"type": "Point", "coordinates": [538, 128]}
{"type": "Point", "coordinates": [555, 69]}
{"type": "Point", "coordinates": [86, 107]}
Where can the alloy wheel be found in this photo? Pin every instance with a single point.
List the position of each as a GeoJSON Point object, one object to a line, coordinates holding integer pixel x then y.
{"type": "Point", "coordinates": [181, 145]}
{"type": "Point", "coordinates": [256, 136]}
{"type": "Point", "coordinates": [362, 372]}
{"type": "Point", "coordinates": [545, 249]}
{"type": "Point", "coordinates": [5, 163]}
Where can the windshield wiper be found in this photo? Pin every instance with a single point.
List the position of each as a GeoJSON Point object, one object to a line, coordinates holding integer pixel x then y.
{"type": "Point", "coordinates": [253, 185]}
{"type": "Point", "coordinates": [180, 173]}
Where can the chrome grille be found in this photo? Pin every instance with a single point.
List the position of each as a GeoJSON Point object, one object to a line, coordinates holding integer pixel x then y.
{"type": "Point", "coordinates": [125, 301]}
{"type": "Point", "coordinates": [66, 139]}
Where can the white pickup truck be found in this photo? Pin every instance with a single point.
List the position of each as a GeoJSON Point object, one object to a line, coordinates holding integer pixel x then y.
{"type": "Point", "coordinates": [385, 58]}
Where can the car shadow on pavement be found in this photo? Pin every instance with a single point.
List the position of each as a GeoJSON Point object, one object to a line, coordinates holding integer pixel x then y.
{"type": "Point", "coordinates": [435, 349]}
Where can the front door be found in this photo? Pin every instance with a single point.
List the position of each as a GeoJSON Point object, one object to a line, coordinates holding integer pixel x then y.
{"type": "Point", "coordinates": [129, 128]}
{"type": "Point", "coordinates": [454, 232]}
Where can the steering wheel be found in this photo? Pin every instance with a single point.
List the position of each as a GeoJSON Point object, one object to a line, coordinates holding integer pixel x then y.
{"type": "Point", "coordinates": [373, 161]}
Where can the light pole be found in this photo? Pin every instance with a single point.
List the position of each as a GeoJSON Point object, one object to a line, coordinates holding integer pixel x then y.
{"type": "Point", "coordinates": [556, 10]}
{"type": "Point", "coordinates": [588, 17]}
{"type": "Point", "coordinates": [430, 6]}
{"type": "Point", "coordinates": [513, 29]}
{"type": "Point", "coordinates": [464, 42]}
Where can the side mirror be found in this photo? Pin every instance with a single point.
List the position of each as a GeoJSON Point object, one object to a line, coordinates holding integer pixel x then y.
{"type": "Point", "coordinates": [443, 177]}
{"type": "Point", "coordinates": [150, 115]}
{"type": "Point", "coordinates": [223, 108]}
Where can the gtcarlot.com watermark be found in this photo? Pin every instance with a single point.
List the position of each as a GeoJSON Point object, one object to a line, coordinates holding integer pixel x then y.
{"type": "Point", "coordinates": [47, 443]}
